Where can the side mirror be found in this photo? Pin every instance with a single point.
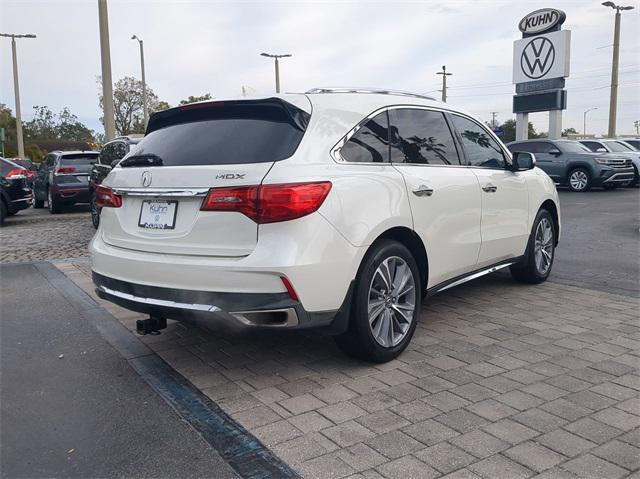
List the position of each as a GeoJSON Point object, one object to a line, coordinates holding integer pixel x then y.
{"type": "Point", "coordinates": [555, 152]}
{"type": "Point", "coordinates": [601, 150]}
{"type": "Point", "coordinates": [522, 161]}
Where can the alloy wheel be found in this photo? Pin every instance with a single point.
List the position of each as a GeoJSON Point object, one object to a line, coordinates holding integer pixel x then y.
{"type": "Point", "coordinates": [578, 180]}
{"type": "Point", "coordinates": [392, 301]}
{"type": "Point", "coordinates": [543, 246]}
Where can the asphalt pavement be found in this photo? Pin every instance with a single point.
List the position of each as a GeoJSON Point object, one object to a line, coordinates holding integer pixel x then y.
{"type": "Point", "coordinates": [72, 406]}
{"type": "Point", "coordinates": [600, 241]}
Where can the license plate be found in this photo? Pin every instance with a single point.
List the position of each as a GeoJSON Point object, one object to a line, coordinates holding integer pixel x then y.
{"type": "Point", "coordinates": [158, 215]}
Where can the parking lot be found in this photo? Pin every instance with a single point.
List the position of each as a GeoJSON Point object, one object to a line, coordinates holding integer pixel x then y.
{"type": "Point", "coordinates": [501, 380]}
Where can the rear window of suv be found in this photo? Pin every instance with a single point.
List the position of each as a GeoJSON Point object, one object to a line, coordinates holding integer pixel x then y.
{"type": "Point", "coordinates": [221, 133]}
{"type": "Point", "coordinates": [79, 159]}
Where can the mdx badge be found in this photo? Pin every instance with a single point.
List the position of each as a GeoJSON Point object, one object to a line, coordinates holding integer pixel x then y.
{"type": "Point", "coordinates": [230, 176]}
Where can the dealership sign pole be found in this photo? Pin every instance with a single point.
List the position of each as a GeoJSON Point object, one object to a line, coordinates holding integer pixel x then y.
{"type": "Point", "coordinates": [540, 65]}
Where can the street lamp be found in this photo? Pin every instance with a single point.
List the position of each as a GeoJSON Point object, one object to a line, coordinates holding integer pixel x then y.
{"type": "Point", "coordinates": [584, 120]}
{"type": "Point", "coordinates": [144, 83]}
{"type": "Point", "coordinates": [16, 88]}
{"type": "Point", "coordinates": [613, 101]}
{"type": "Point", "coordinates": [276, 57]}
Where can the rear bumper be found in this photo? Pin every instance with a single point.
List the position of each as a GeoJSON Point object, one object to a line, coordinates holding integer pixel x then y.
{"type": "Point", "coordinates": [71, 193]}
{"type": "Point", "coordinates": [221, 309]}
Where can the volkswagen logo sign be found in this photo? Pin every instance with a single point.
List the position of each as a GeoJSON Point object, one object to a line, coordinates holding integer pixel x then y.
{"type": "Point", "coordinates": [537, 58]}
{"type": "Point", "coordinates": [146, 178]}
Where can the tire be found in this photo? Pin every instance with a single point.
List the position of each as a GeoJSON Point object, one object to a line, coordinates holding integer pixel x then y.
{"type": "Point", "coordinates": [54, 203]}
{"type": "Point", "coordinates": [375, 341]}
{"type": "Point", "coordinates": [581, 180]}
{"type": "Point", "coordinates": [95, 212]}
{"type": "Point", "coordinates": [35, 202]}
{"type": "Point", "coordinates": [3, 212]}
{"type": "Point", "coordinates": [534, 269]}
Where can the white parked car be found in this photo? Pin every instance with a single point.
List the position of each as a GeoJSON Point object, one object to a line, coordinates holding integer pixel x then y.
{"type": "Point", "coordinates": [336, 210]}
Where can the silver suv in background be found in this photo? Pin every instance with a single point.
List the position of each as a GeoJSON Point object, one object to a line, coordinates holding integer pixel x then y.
{"type": "Point", "coordinates": [619, 148]}
{"type": "Point", "coordinates": [572, 164]}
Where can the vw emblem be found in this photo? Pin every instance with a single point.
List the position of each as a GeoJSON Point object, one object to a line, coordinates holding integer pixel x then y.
{"type": "Point", "coordinates": [146, 178]}
{"type": "Point", "coordinates": [537, 58]}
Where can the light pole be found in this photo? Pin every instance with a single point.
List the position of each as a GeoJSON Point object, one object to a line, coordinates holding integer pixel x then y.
{"type": "Point", "coordinates": [276, 57]}
{"type": "Point", "coordinates": [16, 88]}
{"type": "Point", "coordinates": [144, 83]}
{"type": "Point", "coordinates": [444, 82]}
{"type": "Point", "coordinates": [613, 101]}
{"type": "Point", "coordinates": [107, 82]}
{"type": "Point", "coordinates": [584, 120]}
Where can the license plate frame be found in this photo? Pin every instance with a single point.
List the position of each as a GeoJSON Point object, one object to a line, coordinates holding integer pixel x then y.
{"type": "Point", "coordinates": [164, 225]}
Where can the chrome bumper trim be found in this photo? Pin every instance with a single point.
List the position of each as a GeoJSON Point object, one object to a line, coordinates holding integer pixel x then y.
{"type": "Point", "coordinates": [626, 177]}
{"type": "Point", "coordinates": [160, 302]}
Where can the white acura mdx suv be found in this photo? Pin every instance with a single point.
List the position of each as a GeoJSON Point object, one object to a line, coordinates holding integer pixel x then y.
{"type": "Point", "coordinates": [337, 210]}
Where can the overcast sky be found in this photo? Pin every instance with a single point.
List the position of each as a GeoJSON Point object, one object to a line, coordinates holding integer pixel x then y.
{"type": "Point", "coordinates": [194, 47]}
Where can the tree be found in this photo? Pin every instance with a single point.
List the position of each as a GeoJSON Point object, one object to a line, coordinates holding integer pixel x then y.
{"type": "Point", "coordinates": [569, 131]}
{"type": "Point", "coordinates": [194, 99]}
{"type": "Point", "coordinates": [128, 105]}
{"type": "Point", "coordinates": [509, 131]}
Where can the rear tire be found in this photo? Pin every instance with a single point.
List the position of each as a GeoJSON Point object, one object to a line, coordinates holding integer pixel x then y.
{"type": "Point", "coordinates": [35, 202]}
{"type": "Point", "coordinates": [579, 180]}
{"type": "Point", "coordinates": [538, 261]}
{"type": "Point", "coordinates": [3, 212]}
{"type": "Point", "coordinates": [95, 212]}
{"type": "Point", "coordinates": [54, 203]}
{"type": "Point", "coordinates": [386, 304]}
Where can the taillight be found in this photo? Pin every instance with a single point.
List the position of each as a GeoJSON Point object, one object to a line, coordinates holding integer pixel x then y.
{"type": "Point", "coordinates": [16, 173]}
{"type": "Point", "coordinates": [64, 170]}
{"type": "Point", "coordinates": [269, 203]}
{"type": "Point", "coordinates": [106, 198]}
{"type": "Point", "coordinates": [287, 284]}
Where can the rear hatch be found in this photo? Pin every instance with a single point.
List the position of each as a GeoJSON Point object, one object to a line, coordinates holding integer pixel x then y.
{"type": "Point", "coordinates": [74, 169]}
{"type": "Point", "coordinates": [185, 152]}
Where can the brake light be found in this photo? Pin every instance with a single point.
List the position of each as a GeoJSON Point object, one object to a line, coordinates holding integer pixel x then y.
{"type": "Point", "coordinates": [15, 173]}
{"type": "Point", "coordinates": [269, 203]}
{"type": "Point", "coordinates": [64, 170]}
{"type": "Point", "coordinates": [106, 198]}
{"type": "Point", "coordinates": [287, 284]}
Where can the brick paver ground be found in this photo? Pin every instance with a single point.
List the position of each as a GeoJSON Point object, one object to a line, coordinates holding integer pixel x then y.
{"type": "Point", "coordinates": [501, 380]}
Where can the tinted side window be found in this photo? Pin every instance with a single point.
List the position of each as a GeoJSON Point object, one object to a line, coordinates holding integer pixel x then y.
{"type": "Point", "coordinates": [479, 147]}
{"type": "Point", "coordinates": [107, 154]}
{"type": "Point", "coordinates": [121, 149]}
{"type": "Point", "coordinates": [370, 144]}
{"type": "Point", "coordinates": [5, 167]}
{"type": "Point", "coordinates": [421, 136]}
{"type": "Point", "coordinates": [592, 145]}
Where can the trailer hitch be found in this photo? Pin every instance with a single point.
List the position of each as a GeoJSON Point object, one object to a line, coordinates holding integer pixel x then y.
{"type": "Point", "coordinates": [151, 325]}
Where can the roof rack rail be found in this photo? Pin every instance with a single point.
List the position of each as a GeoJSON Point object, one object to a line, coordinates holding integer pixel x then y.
{"type": "Point", "coordinates": [368, 90]}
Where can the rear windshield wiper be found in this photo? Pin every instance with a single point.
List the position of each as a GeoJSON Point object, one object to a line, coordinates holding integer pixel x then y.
{"type": "Point", "coordinates": [146, 159]}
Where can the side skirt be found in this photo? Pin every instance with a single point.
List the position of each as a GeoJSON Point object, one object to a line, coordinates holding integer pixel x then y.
{"type": "Point", "coordinates": [458, 280]}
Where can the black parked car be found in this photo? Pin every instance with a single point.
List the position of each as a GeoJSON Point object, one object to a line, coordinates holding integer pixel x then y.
{"type": "Point", "coordinates": [569, 163]}
{"type": "Point", "coordinates": [110, 154]}
{"type": "Point", "coordinates": [15, 195]}
{"type": "Point", "coordinates": [63, 179]}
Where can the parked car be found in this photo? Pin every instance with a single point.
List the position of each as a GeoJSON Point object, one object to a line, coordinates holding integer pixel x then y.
{"type": "Point", "coordinates": [634, 142]}
{"type": "Point", "coordinates": [335, 210]}
{"type": "Point", "coordinates": [63, 179]}
{"type": "Point", "coordinates": [570, 163]}
{"type": "Point", "coordinates": [619, 148]}
{"type": "Point", "coordinates": [15, 195]}
{"type": "Point", "coordinates": [29, 166]}
{"type": "Point", "coordinates": [110, 154]}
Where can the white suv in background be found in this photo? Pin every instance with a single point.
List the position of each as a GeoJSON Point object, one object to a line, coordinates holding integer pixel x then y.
{"type": "Point", "coordinates": [335, 209]}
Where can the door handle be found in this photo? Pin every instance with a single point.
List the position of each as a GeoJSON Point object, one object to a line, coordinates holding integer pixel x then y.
{"type": "Point", "coordinates": [490, 188]}
{"type": "Point", "coordinates": [423, 191]}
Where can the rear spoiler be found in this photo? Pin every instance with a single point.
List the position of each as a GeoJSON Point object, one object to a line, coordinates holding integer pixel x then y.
{"type": "Point", "coordinates": [268, 108]}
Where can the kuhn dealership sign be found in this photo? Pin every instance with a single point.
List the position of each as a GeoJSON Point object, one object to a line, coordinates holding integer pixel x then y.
{"type": "Point", "coordinates": [541, 21]}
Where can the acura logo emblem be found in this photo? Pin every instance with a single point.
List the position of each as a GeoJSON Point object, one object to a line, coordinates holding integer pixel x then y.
{"type": "Point", "coordinates": [537, 58]}
{"type": "Point", "coordinates": [146, 178]}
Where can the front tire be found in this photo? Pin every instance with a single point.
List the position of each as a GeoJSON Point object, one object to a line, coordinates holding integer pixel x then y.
{"type": "Point", "coordinates": [386, 304]}
{"type": "Point", "coordinates": [579, 180]}
{"type": "Point", "coordinates": [538, 261]}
